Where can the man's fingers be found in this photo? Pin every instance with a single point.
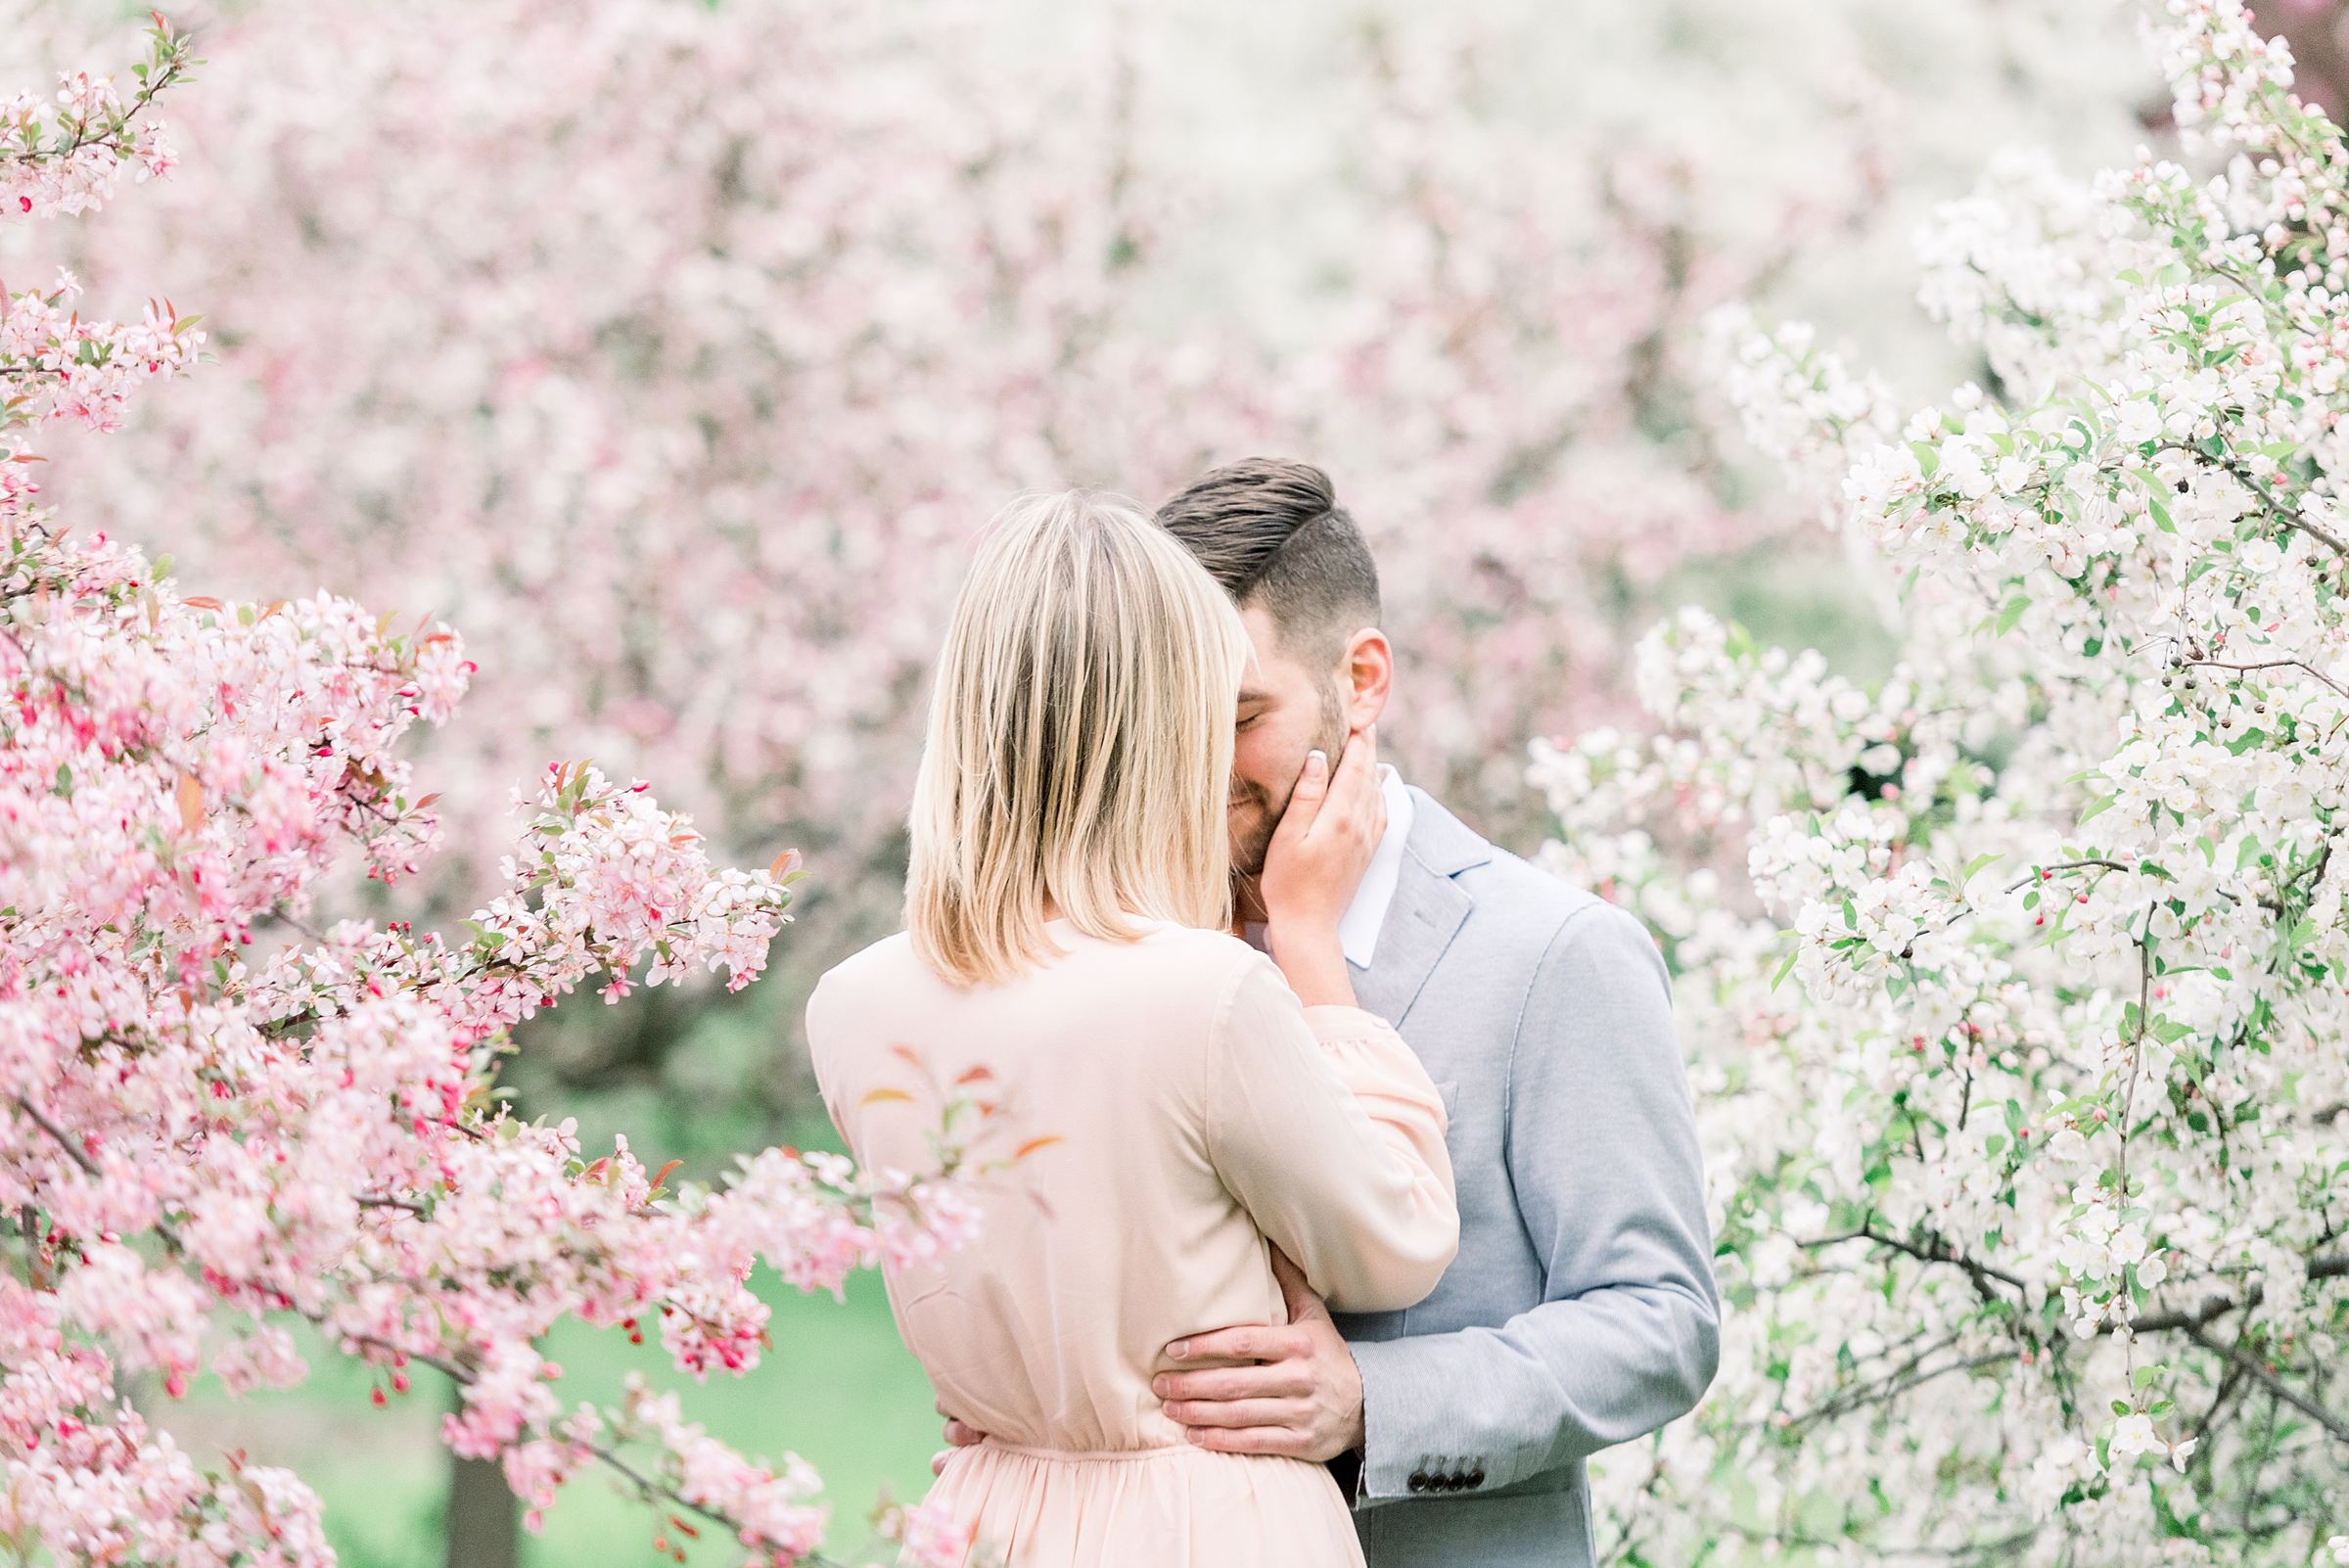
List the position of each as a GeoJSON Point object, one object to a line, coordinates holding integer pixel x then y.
{"type": "Point", "coordinates": [1275, 1440]}
{"type": "Point", "coordinates": [938, 1461]}
{"type": "Point", "coordinates": [1286, 1415]}
{"type": "Point", "coordinates": [1253, 1342]}
{"type": "Point", "coordinates": [962, 1434]}
{"type": "Point", "coordinates": [1280, 1380]}
{"type": "Point", "coordinates": [1241, 1413]}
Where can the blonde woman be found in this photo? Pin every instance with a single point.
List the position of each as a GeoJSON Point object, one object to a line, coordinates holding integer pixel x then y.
{"type": "Point", "coordinates": [1068, 912]}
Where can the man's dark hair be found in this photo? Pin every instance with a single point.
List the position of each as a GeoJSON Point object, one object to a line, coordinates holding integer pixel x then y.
{"type": "Point", "coordinates": [1272, 533]}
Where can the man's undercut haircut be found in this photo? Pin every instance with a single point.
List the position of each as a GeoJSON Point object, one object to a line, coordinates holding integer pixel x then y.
{"type": "Point", "coordinates": [1272, 533]}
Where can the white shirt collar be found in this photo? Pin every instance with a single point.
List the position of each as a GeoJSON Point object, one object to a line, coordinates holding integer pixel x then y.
{"type": "Point", "coordinates": [1366, 915]}
{"type": "Point", "coordinates": [1358, 931]}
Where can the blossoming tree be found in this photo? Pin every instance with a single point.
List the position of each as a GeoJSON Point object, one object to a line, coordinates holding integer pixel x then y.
{"type": "Point", "coordinates": [2030, 1159]}
{"type": "Point", "coordinates": [685, 395]}
{"type": "Point", "coordinates": [197, 1142]}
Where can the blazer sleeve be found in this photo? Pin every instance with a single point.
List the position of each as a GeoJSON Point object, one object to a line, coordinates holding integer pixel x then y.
{"type": "Point", "coordinates": [1601, 1148]}
{"type": "Point", "coordinates": [1326, 1128]}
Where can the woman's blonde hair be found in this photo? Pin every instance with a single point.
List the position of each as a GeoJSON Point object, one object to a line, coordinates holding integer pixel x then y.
{"type": "Point", "coordinates": [1080, 741]}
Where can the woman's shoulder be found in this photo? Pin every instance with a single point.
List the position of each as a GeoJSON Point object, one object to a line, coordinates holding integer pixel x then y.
{"type": "Point", "coordinates": [1168, 958]}
{"type": "Point", "coordinates": [1193, 951]}
{"type": "Point", "coordinates": [887, 965]}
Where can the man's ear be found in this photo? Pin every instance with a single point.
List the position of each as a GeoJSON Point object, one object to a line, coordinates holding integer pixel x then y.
{"type": "Point", "coordinates": [1368, 674]}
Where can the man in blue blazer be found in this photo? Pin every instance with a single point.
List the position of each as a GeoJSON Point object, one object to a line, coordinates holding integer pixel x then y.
{"type": "Point", "coordinates": [1580, 1311]}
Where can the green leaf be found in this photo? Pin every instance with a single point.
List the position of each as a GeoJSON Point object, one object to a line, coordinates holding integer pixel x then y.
{"type": "Point", "coordinates": [1975, 864]}
{"type": "Point", "coordinates": [2012, 613]}
{"type": "Point", "coordinates": [2100, 804]}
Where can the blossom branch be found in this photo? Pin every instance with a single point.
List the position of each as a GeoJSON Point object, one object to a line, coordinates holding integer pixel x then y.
{"type": "Point", "coordinates": [2039, 873]}
{"type": "Point", "coordinates": [2258, 1371]}
{"type": "Point", "coordinates": [2289, 520]}
{"type": "Point", "coordinates": [2215, 1308]}
{"type": "Point", "coordinates": [2271, 664]}
{"type": "Point", "coordinates": [1936, 1250]}
{"type": "Point", "coordinates": [57, 1136]}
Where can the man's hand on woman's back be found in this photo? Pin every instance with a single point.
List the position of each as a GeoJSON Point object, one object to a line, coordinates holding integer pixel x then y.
{"type": "Point", "coordinates": [1303, 1398]}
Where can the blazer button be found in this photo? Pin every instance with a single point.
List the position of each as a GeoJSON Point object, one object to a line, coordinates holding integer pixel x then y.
{"type": "Point", "coordinates": [1418, 1481]}
{"type": "Point", "coordinates": [1476, 1477]}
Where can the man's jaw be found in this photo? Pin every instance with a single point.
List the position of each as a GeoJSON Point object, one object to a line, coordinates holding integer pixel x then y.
{"type": "Point", "coordinates": [1251, 837]}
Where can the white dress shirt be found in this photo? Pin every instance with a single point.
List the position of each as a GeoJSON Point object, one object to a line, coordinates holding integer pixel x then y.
{"type": "Point", "coordinates": [1358, 927]}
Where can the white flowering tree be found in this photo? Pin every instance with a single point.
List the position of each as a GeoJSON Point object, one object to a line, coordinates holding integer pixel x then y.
{"type": "Point", "coordinates": [2030, 1139]}
{"type": "Point", "coordinates": [199, 1145]}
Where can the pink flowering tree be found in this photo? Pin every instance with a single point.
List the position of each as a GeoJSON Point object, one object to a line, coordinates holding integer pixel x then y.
{"type": "Point", "coordinates": [214, 1119]}
{"type": "Point", "coordinates": [685, 395]}
{"type": "Point", "coordinates": [2017, 982]}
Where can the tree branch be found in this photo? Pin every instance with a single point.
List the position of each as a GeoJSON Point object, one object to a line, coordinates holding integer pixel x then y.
{"type": "Point", "coordinates": [417, 1209]}
{"type": "Point", "coordinates": [1937, 1251]}
{"type": "Point", "coordinates": [76, 1151]}
{"type": "Point", "coordinates": [2193, 1320]}
{"type": "Point", "coordinates": [2271, 664]}
{"type": "Point", "coordinates": [2257, 1371]}
{"type": "Point", "coordinates": [2064, 865]}
{"type": "Point", "coordinates": [2290, 520]}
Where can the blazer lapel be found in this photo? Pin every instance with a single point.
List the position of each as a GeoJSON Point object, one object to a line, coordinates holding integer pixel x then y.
{"type": "Point", "coordinates": [1427, 912]}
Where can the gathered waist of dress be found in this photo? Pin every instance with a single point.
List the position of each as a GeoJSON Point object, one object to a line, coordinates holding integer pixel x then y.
{"type": "Point", "coordinates": [1169, 1450]}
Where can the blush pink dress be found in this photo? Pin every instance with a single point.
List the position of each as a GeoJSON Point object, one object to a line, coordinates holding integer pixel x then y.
{"type": "Point", "coordinates": [1201, 1113]}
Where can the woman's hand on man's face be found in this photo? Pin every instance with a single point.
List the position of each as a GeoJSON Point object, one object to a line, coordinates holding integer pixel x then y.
{"type": "Point", "coordinates": [1316, 859]}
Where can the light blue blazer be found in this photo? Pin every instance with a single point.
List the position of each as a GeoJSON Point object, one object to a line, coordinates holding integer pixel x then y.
{"type": "Point", "coordinates": [1582, 1309]}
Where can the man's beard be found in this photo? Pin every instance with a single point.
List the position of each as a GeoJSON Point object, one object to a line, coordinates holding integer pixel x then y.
{"type": "Point", "coordinates": [1248, 856]}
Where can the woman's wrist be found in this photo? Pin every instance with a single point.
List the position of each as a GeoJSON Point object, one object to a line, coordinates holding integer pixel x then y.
{"type": "Point", "coordinates": [1313, 962]}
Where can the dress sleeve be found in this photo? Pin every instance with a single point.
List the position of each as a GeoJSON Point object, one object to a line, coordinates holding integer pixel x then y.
{"type": "Point", "coordinates": [1326, 1128]}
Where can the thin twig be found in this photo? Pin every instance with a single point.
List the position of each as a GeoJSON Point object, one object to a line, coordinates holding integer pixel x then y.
{"type": "Point", "coordinates": [652, 1489]}
{"type": "Point", "coordinates": [2271, 664]}
{"type": "Point", "coordinates": [1895, 1387]}
{"type": "Point", "coordinates": [2040, 873]}
{"type": "Point", "coordinates": [2257, 1371]}
{"type": "Point", "coordinates": [80, 1155]}
{"type": "Point", "coordinates": [2215, 1308]}
{"type": "Point", "coordinates": [2290, 520]}
{"type": "Point", "coordinates": [453, 1370]}
{"type": "Point", "coordinates": [1939, 1250]}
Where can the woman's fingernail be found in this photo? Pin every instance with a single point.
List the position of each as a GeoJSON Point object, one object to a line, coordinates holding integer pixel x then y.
{"type": "Point", "coordinates": [1179, 1349]}
{"type": "Point", "coordinates": [1316, 762]}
